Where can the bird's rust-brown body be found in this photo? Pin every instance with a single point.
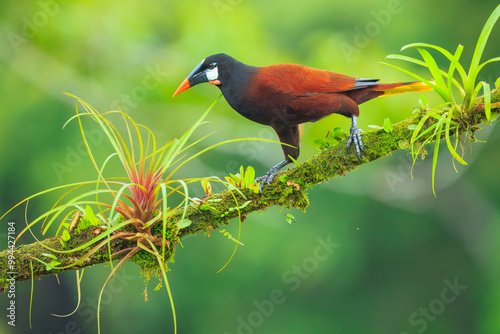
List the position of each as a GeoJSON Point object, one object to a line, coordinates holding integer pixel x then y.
{"type": "Point", "coordinates": [286, 95]}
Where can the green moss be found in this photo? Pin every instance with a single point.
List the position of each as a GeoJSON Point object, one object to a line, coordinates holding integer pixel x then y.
{"type": "Point", "coordinates": [146, 260]}
{"type": "Point", "coordinates": [495, 95]}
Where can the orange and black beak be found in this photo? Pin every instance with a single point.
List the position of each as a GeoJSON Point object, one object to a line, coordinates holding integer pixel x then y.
{"type": "Point", "coordinates": [196, 76]}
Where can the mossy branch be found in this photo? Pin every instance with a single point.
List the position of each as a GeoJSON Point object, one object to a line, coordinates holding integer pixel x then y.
{"type": "Point", "coordinates": [287, 191]}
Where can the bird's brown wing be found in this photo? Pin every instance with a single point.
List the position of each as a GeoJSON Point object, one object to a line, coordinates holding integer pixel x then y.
{"type": "Point", "coordinates": [300, 80]}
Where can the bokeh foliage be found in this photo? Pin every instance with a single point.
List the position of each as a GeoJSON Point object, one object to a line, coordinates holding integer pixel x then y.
{"type": "Point", "coordinates": [397, 244]}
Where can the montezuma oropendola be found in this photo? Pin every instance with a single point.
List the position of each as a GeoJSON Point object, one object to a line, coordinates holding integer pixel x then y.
{"type": "Point", "coordinates": [286, 95]}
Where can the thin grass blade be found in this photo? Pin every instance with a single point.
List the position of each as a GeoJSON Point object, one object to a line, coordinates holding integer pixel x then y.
{"type": "Point", "coordinates": [448, 141]}
{"type": "Point", "coordinates": [487, 100]}
{"type": "Point", "coordinates": [435, 71]}
{"type": "Point", "coordinates": [483, 39]}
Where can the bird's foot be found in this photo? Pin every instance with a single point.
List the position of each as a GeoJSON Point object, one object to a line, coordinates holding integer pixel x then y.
{"type": "Point", "coordinates": [268, 177]}
{"type": "Point", "coordinates": [355, 137]}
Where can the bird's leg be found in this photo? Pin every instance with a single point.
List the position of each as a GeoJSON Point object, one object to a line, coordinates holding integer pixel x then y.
{"type": "Point", "coordinates": [268, 177]}
{"type": "Point", "coordinates": [355, 137]}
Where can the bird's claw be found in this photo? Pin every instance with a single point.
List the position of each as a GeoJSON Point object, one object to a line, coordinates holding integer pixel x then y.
{"type": "Point", "coordinates": [355, 137]}
{"type": "Point", "coordinates": [267, 178]}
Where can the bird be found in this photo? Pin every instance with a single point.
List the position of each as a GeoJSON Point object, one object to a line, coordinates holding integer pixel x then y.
{"type": "Point", "coordinates": [283, 96]}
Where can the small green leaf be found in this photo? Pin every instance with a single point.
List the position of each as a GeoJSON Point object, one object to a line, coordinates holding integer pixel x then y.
{"type": "Point", "coordinates": [322, 143]}
{"type": "Point", "coordinates": [254, 188]}
{"type": "Point", "coordinates": [65, 235]}
{"type": "Point", "coordinates": [387, 125]}
{"type": "Point", "coordinates": [338, 134]}
{"type": "Point", "coordinates": [283, 178]}
{"type": "Point", "coordinates": [334, 136]}
{"type": "Point", "coordinates": [89, 214]}
{"type": "Point", "coordinates": [84, 223]}
{"type": "Point", "coordinates": [206, 186]}
{"type": "Point", "coordinates": [249, 176]}
{"type": "Point", "coordinates": [205, 207]}
{"type": "Point", "coordinates": [90, 217]}
{"type": "Point", "coordinates": [52, 256]}
{"type": "Point", "coordinates": [497, 83]}
{"type": "Point", "coordinates": [423, 101]}
{"type": "Point", "coordinates": [234, 180]}
{"type": "Point", "coordinates": [412, 127]}
{"type": "Point", "coordinates": [245, 204]}
{"type": "Point", "coordinates": [54, 263]}
{"type": "Point", "coordinates": [290, 218]}
{"type": "Point", "coordinates": [183, 223]}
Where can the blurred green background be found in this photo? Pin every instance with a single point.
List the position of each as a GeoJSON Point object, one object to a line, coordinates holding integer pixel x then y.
{"type": "Point", "coordinates": [376, 252]}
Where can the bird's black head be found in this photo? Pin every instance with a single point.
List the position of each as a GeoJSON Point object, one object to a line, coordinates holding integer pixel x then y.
{"type": "Point", "coordinates": [215, 70]}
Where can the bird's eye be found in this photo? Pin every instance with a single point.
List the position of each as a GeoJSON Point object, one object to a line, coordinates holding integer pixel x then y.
{"type": "Point", "coordinates": [212, 66]}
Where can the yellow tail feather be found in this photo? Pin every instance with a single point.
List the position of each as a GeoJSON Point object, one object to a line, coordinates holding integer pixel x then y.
{"type": "Point", "coordinates": [407, 87]}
